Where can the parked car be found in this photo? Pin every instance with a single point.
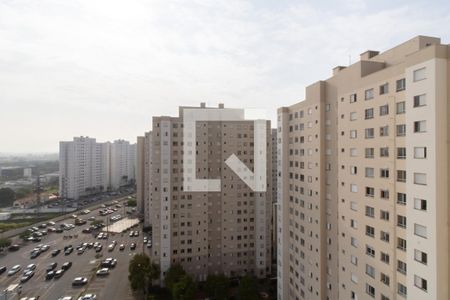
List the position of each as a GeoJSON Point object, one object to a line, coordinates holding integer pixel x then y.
{"type": "Point", "coordinates": [59, 273]}
{"type": "Point", "coordinates": [55, 252]}
{"type": "Point", "coordinates": [14, 270]}
{"type": "Point", "coordinates": [26, 276]}
{"type": "Point", "coordinates": [87, 297]}
{"type": "Point", "coordinates": [66, 265]}
{"type": "Point", "coordinates": [14, 247]}
{"type": "Point", "coordinates": [103, 272]}
{"type": "Point", "coordinates": [2, 270]}
{"type": "Point", "coordinates": [49, 275]}
{"type": "Point", "coordinates": [79, 281]}
{"type": "Point", "coordinates": [52, 266]}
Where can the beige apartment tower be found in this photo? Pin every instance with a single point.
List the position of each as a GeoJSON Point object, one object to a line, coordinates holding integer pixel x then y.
{"type": "Point", "coordinates": [363, 192]}
{"type": "Point", "coordinates": [225, 231]}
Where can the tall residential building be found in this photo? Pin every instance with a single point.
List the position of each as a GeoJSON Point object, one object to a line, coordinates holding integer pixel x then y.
{"type": "Point", "coordinates": [87, 167]}
{"type": "Point", "coordinates": [363, 192]}
{"type": "Point", "coordinates": [226, 230]}
{"type": "Point", "coordinates": [123, 162]}
{"type": "Point", "coordinates": [83, 166]}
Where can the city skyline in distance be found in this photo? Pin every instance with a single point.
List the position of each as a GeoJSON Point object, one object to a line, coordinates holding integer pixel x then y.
{"type": "Point", "coordinates": [104, 69]}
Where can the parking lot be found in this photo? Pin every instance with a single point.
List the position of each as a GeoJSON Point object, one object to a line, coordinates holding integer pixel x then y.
{"type": "Point", "coordinates": [85, 261]}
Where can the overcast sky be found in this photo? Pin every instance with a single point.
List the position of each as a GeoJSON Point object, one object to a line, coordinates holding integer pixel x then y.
{"type": "Point", "coordinates": [104, 68]}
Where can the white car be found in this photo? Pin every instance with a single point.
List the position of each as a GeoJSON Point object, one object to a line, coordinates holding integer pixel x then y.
{"type": "Point", "coordinates": [88, 297]}
{"type": "Point", "coordinates": [65, 298]}
{"type": "Point", "coordinates": [14, 270]}
{"type": "Point", "coordinates": [103, 272]}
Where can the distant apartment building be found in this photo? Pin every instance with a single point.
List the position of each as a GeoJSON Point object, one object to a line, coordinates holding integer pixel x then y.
{"type": "Point", "coordinates": [363, 191]}
{"type": "Point", "coordinates": [123, 162]}
{"type": "Point", "coordinates": [87, 167]}
{"type": "Point", "coordinates": [225, 231]}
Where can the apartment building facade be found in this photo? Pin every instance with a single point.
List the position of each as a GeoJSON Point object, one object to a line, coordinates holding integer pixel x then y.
{"type": "Point", "coordinates": [224, 231]}
{"type": "Point", "coordinates": [83, 167]}
{"type": "Point", "coordinates": [87, 167]}
{"type": "Point", "coordinates": [363, 192]}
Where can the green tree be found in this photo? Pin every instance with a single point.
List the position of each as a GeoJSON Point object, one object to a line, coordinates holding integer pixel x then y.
{"type": "Point", "coordinates": [184, 289]}
{"type": "Point", "coordinates": [173, 275]}
{"type": "Point", "coordinates": [132, 203]}
{"type": "Point", "coordinates": [217, 286]}
{"type": "Point", "coordinates": [4, 243]}
{"type": "Point", "coordinates": [248, 288]}
{"type": "Point", "coordinates": [7, 197]}
{"type": "Point", "coordinates": [142, 272]}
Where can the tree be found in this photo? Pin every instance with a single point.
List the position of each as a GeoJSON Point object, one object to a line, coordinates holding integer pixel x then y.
{"type": "Point", "coordinates": [142, 272]}
{"type": "Point", "coordinates": [173, 275]}
{"type": "Point", "coordinates": [7, 197]}
{"type": "Point", "coordinates": [248, 288]}
{"type": "Point", "coordinates": [184, 289]}
{"type": "Point", "coordinates": [216, 287]}
{"type": "Point", "coordinates": [132, 203]}
{"type": "Point", "coordinates": [4, 243]}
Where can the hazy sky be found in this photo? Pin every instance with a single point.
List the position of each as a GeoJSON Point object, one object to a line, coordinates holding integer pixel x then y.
{"type": "Point", "coordinates": [104, 68]}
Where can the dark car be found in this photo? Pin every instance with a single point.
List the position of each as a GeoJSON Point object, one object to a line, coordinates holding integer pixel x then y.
{"type": "Point", "coordinates": [13, 247]}
{"type": "Point", "coordinates": [50, 275]}
{"type": "Point", "coordinates": [133, 246]}
{"type": "Point", "coordinates": [26, 276]}
{"type": "Point", "coordinates": [55, 252]}
{"type": "Point", "coordinates": [52, 266]}
{"type": "Point", "coordinates": [34, 254]}
{"type": "Point", "coordinates": [68, 251]}
{"type": "Point", "coordinates": [2, 270]}
{"type": "Point", "coordinates": [66, 265]}
{"type": "Point", "coordinates": [98, 248]}
{"type": "Point", "coordinates": [59, 230]}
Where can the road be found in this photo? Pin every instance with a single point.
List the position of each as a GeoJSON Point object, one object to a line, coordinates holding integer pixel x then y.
{"type": "Point", "coordinates": [113, 286]}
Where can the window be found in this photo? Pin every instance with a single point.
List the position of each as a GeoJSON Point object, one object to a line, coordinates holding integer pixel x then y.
{"type": "Point", "coordinates": [384, 215]}
{"type": "Point", "coordinates": [353, 116]}
{"type": "Point", "coordinates": [369, 133]}
{"type": "Point", "coordinates": [401, 108]}
{"type": "Point", "coordinates": [353, 134]}
{"type": "Point", "coordinates": [420, 126]}
{"type": "Point", "coordinates": [401, 175]}
{"type": "Point", "coordinates": [384, 236]}
{"type": "Point", "coordinates": [370, 211]}
{"type": "Point", "coordinates": [370, 290]}
{"type": "Point", "coordinates": [384, 130]}
{"type": "Point", "coordinates": [370, 191]}
{"type": "Point", "coordinates": [420, 204]}
{"type": "Point", "coordinates": [370, 271]}
{"type": "Point", "coordinates": [370, 251]}
{"type": "Point", "coordinates": [420, 256]}
{"type": "Point", "coordinates": [420, 283]}
{"type": "Point", "coordinates": [420, 178]}
{"type": "Point", "coordinates": [420, 230]}
{"type": "Point", "coordinates": [369, 172]}
{"type": "Point", "coordinates": [353, 224]}
{"type": "Point", "coordinates": [354, 260]}
{"type": "Point", "coordinates": [384, 173]}
{"type": "Point", "coordinates": [419, 74]}
{"type": "Point", "coordinates": [420, 100]}
{"type": "Point", "coordinates": [353, 152]}
{"type": "Point", "coordinates": [401, 130]}
{"type": "Point", "coordinates": [401, 198]}
{"type": "Point", "coordinates": [384, 257]}
{"type": "Point", "coordinates": [384, 194]}
{"type": "Point", "coordinates": [353, 188]}
{"type": "Point", "coordinates": [384, 110]}
{"type": "Point", "coordinates": [401, 153]}
{"type": "Point", "coordinates": [369, 152]}
{"type": "Point", "coordinates": [328, 107]}
{"type": "Point", "coordinates": [354, 242]}
{"type": "Point", "coordinates": [368, 94]}
{"type": "Point", "coordinates": [353, 170]}
{"type": "Point", "coordinates": [401, 267]}
{"type": "Point", "coordinates": [370, 231]}
{"type": "Point", "coordinates": [352, 98]}
{"type": "Point", "coordinates": [384, 89]}
{"type": "Point", "coordinates": [354, 278]}
{"type": "Point", "coordinates": [401, 290]}
{"type": "Point", "coordinates": [400, 85]}
{"type": "Point", "coordinates": [354, 206]}
{"type": "Point", "coordinates": [385, 279]}
{"type": "Point", "coordinates": [401, 221]}
{"type": "Point", "coordinates": [368, 113]}
{"type": "Point", "coordinates": [420, 152]}
{"type": "Point", "coordinates": [384, 152]}
{"type": "Point", "coordinates": [401, 244]}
